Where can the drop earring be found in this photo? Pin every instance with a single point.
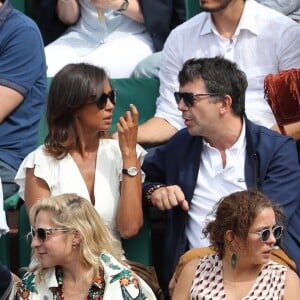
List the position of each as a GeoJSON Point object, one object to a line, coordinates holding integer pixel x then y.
{"type": "Point", "coordinates": [233, 260]}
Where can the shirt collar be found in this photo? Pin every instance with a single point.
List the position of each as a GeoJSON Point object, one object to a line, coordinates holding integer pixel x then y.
{"type": "Point", "coordinates": [247, 21]}
{"type": "Point", "coordinates": [54, 279]}
{"type": "Point", "coordinates": [238, 144]}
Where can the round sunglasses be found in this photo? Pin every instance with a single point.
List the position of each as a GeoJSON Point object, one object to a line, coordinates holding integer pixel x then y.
{"type": "Point", "coordinates": [189, 98]}
{"type": "Point", "coordinates": [102, 100]}
{"type": "Point", "coordinates": [266, 233]}
{"type": "Point", "coordinates": [43, 233]}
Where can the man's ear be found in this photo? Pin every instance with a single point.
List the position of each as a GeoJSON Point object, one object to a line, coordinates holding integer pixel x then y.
{"type": "Point", "coordinates": [225, 104]}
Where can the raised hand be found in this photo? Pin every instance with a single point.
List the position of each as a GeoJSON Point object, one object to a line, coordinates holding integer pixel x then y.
{"type": "Point", "coordinates": [127, 131]}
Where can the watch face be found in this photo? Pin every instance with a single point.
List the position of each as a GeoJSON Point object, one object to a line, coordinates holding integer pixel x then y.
{"type": "Point", "coordinates": [132, 171]}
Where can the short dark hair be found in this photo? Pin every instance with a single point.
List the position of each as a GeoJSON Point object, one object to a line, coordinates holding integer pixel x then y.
{"type": "Point", "coordinates": [221, 77]}
{"type": "Point", "coordinates": [237, 212]}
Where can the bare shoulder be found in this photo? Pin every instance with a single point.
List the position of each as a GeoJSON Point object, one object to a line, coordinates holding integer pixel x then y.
{"type": "Point", "coordinates": [184, 283]}
{"type": "Point", "coordinates": [292, 285]}
{"type": "Point", "coordinates": [191, 265]}
{"type": "Point", "coordinates": [189, 270]}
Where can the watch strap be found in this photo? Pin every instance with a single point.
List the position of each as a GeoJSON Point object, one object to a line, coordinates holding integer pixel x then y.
{"type": "Point", "coordinates": [123, 6]}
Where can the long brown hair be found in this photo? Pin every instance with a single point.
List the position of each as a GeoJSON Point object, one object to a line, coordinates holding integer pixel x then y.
{"type": "Point", "coordinates": [71, 88]}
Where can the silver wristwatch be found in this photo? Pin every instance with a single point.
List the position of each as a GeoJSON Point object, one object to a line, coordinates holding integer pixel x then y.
{"type": "Point", "coordinates": [124, 6]}
{"type": "Point", "coordinates": [132, 171]}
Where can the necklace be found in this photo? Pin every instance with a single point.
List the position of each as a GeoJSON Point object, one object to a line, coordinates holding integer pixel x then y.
{"type": "Point", "coordinates": [95, 292]}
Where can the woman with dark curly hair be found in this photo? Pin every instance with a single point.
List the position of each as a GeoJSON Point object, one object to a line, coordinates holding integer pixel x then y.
{"type": "Point", "coordinates": [246, 227]}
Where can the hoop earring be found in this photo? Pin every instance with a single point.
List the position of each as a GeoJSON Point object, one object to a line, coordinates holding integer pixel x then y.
{"type": "Point", "coordinates": [233, 260]}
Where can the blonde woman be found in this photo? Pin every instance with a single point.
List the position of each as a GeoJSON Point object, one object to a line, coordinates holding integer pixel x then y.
{"type": "Point", "coordinates": [76, 255]}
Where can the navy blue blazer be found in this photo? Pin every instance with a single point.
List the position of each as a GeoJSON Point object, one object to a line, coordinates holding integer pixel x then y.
{"type": "Point", "coordinates": [271, 165]}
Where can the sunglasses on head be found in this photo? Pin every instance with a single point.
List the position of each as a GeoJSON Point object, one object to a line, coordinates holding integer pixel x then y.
{"type": "Point", "coordinates": [189, 98]}
{"type": "Point", "coordinates": [102, 100]}
{"type": "Point", "coordinates": [42, 233]}
{"type": "Point", "coordinates": [266, 233]}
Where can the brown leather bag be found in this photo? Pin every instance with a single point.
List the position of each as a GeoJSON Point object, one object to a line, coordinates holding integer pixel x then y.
{"type": "Point", "coordinates": [282, 91]}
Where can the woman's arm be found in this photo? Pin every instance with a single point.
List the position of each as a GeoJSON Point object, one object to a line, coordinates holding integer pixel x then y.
{"type": "Point", "coordinates": [133, 10]}
{"type": "Point", "coordinates": [184, 283]}
{"type": "Point", "coordinates": [35, 189]}
{"type": "Point", "coordinates": [130, 212]}
{"type": "Point", "coordinates": [68, 11]}
{"type": "Point", "coordinates": [292, 286]}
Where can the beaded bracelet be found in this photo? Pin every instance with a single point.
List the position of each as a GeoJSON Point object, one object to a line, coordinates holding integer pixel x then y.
{"type": "Point", "coordinates": [152, 189]}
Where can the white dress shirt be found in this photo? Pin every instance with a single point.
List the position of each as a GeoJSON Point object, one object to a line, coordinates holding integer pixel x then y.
{"type": "Point", "coordinates": [264, 42]}
{"type": "Point", "coordinates": [214, 182]}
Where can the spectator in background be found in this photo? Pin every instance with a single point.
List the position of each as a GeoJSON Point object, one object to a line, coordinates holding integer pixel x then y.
{"type": "Point", "coordinates": [76, 257]}
{"type": "Point", "coordinates": [259, 39]}
{"type": "Point", "coordinates": [79, 157]}
{"type": "Point", "coordinates": [106, 33]}
{"type": "Point", "coordinates": [43, 12]}
{"type": "Point", "coordinates": [159, 28]}
{"type": "Point", "coordinates": [220, 152]}
{"type": "Point", "coordinates": [290, 8]}
{"type": "Point", "coordinates": [23, 86]}
{"type": "Point", "coordinates": [245, 228]}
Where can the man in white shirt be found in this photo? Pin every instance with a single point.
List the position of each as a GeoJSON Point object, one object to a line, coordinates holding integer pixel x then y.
{"type": "Point", "coordinates": [219, 152]}
{"type": "Point", "coordinates": [260, 40]}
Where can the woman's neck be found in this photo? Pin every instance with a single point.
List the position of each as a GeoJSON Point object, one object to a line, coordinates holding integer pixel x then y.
{"type": "Point", "coordinates": [243, 271]}
{"type": "Point", "coordinates": [77, 281]}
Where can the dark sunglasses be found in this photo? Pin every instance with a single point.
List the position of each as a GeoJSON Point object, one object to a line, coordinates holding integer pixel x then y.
{"type": "Point", "coordinates": [189, 98]}
{"type": "Point", "coordinates": [266, 233]}
{"type": "Point", "coordinates": [102, 100]}
{"type": "Point", "coordinates": [42, 233]}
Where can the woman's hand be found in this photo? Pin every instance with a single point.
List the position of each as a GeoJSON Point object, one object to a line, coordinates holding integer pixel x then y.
{"type": "Point", "coordinates": [133, 10]}
{"type": "Point", "coordinates": [111, 4]}
{"type": "Point", "coordinates": [127, 131]}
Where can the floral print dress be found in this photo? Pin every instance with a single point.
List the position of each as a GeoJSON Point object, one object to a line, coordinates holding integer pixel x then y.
{"type": "Point", "coordinates": [115, 281]}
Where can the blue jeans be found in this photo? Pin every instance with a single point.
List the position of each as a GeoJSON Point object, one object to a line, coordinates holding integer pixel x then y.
{"type": "Point", "coordinates": [7, 174]}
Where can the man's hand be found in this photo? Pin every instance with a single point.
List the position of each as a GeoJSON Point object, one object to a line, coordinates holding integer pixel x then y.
{"type": "Point", "coordinates": [169, 197]}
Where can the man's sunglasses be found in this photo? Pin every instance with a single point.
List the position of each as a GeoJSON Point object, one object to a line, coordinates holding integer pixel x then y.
{"type": "Point", "coordinates": [102, 100]}
{"type": "Point", "coordinates": [189, 98]}
{"type": "Point", "coordinates": [42, 233]}
{"type": "Point", "coordinates": [266, 233]}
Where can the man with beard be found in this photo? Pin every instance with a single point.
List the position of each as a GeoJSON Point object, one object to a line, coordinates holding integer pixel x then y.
{"type": "Point", "coordinates": [260, 40]}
